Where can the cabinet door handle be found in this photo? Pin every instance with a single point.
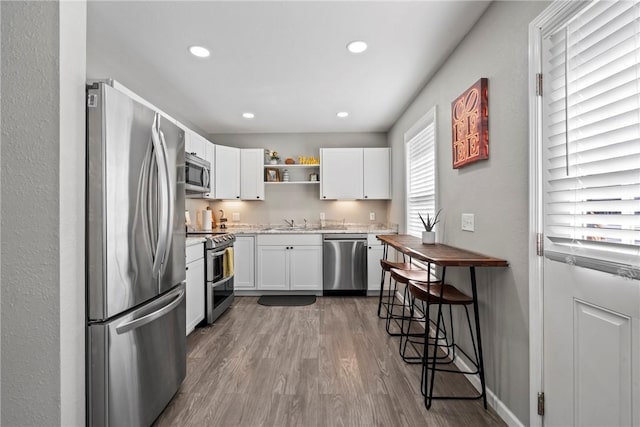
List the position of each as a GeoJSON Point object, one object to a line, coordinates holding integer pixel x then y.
{"type": "Point", "coordinates": [366, 197]}
{"type": "Point", "coordinates": [186, 268]}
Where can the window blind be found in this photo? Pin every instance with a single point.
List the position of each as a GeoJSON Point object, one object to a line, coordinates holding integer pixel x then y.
{"type": "Point", "coordinates": [591, 134]}
{"type": "Point", "coordinates": [420, 161]}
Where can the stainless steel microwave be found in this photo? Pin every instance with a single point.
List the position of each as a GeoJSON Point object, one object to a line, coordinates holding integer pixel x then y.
{"type": "Point", "coordinates": [197, 174]}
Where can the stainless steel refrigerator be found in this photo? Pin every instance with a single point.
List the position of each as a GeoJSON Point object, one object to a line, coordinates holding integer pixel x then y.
{"type": "Point", "coordinates": [136, 344]}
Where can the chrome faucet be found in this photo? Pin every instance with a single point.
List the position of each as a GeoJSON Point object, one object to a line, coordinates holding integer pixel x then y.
{"type": "Point", "coordinates": [289, 223]}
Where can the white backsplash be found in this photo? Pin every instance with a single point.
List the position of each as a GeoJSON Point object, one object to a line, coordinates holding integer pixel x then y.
{"type": "Point", "coordinates": [285, 202]}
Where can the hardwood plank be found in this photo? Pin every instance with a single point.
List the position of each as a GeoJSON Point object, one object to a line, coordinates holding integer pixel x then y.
{"type": "Point", "coordinates": [328, 364]}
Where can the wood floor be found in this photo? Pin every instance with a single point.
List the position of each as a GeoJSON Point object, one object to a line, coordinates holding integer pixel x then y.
{"type": "Point", "coordinates": [327, 364]}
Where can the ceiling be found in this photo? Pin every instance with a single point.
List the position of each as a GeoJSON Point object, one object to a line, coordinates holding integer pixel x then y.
{"type": "Point", "coordinates": [284, 61]}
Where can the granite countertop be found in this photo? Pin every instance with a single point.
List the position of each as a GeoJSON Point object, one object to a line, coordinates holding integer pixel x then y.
{"type": "Point", "coordinates": [310, 229]}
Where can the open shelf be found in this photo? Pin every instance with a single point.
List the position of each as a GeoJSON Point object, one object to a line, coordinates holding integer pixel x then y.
{"type": "Point", "coordinates": [294, 166]}
{"type": "Point", "coordinates": [292, 182]}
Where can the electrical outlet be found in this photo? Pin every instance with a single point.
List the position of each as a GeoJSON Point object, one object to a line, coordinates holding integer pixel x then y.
{"type": "Point", "coordinates": [236, 216]}
{"type": "Point", "coordinates": [322, 216]}
{"type": "Point", "coordinates": [468, 221]}
{"type": "Point", "coordinates": [372, 216]}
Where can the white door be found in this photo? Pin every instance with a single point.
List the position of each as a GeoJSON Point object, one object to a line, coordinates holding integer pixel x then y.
{"type": "Point", "coordinates": [273, 272]}
{"type": "Point", "coordinates": [244, 263]}
{"type": "Point", "coordinates": [341, 173]}
{"type": "Point", "coordinates": [305, 267]}
{"type": "Point", "coordinates": [251, 174]}
{"type": "Point", "coordinates": [376, 173]}
{"type": "Point", "coordinates": [227, 173]}
{"type": "Point", "coordinates": [590, 206]}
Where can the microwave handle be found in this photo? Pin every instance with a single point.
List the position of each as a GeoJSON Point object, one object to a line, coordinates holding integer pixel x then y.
{"type": "Point", "coordinates": [205, 177]}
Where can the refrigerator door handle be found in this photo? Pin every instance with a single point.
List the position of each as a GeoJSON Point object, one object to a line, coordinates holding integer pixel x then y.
{"type": "Point", "coordinates": [169, 198]}
{"type": "Point", "coordinates": [148, 318]}
{"type": "Point", "coordinates": [163, 211]}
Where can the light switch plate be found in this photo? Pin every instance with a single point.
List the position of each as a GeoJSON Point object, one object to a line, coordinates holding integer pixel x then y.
{"type": "Point", "coordinates": [372, 216]}
{"type": "Point", "coordinates": [236, 216]}
{"type": "Point", "coordinates": [321, 216]}
{"type": "Point", "coordinates": [468, 221]}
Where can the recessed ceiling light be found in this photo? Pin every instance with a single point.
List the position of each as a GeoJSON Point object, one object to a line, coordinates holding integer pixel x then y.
{"type": "Point", "coordinates": [342, 114]}
{"type": "Point", "coordinates": [357, 46]}
{"type": "Point", "coordinates": [199, 51]}
{"type": "Point", "coordinates": [248, 115]}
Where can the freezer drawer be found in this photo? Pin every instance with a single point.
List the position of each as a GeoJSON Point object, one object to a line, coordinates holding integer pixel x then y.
{"type": "Point", "coordinates": [137, 362]}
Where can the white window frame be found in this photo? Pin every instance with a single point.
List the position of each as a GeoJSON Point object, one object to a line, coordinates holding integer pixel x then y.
{"type": "Point", "coordinates": [420, 125]}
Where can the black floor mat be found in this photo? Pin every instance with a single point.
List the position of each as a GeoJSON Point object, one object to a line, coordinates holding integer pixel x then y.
{"type": "Point", "coordinates": [286, 300]}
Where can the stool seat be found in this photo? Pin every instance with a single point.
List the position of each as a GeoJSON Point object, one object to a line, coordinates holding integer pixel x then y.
{"type": "Point", "coordinates": [388, 265]}
{"type": "Point", "coordinates": [431, 292]}
{"type": "Point", "coordinates": [404, 276]}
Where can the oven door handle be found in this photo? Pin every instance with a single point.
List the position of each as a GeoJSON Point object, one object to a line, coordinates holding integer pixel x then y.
{"type": "Point", "coordinates": [220, 282]}
{"type": "Point", "coordinates": [219, 253]}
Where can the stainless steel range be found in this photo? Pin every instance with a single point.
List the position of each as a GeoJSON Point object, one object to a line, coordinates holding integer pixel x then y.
{"type": "Point", "coordinates": [219, 267]}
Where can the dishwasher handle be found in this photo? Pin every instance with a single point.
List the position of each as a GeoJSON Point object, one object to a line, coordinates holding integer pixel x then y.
{"type": "Point", "coordinates": [344, 237]}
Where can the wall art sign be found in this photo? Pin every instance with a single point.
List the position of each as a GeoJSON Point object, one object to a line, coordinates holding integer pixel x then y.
{"type": "Point", "coordinates": [470, 125]}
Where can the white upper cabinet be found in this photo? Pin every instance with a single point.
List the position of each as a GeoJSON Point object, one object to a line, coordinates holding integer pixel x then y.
{"type": "Point", "coordinates": [355, 173]}
{"type": "Point", "coordinates": [194, 143]}
{"type": "Point", "coordinates": [227, 172]}
{"type": "Point", "coordinates": [377, 173]}
{"type": "Point", "coordinates": [251, 169]}
{"type": "Point", "coordinates": [341, 173]}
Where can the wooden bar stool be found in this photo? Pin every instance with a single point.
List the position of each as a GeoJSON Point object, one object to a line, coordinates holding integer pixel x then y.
{"type": "Point", "coordinates": [429, 294]}
{"type": "Point", "coordinates": [385, 300]}
{"type": "Point", "coordinates": [402, 276]}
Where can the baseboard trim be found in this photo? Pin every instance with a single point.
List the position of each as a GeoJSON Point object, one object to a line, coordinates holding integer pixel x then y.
{"type": "Point", "coordinates": [492, 399]}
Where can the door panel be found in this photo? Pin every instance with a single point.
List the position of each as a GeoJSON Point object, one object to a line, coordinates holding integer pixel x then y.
{"type": "Point", "coordinates": [602, 343]}
{"type": "Point", "coordinates": [273, 273]}
{"type": "Point", "coordinates": [173, 271]}
{"type": "Point", "coordinates": [137, 362]}
{"type": "Point", "coordinates": [305, 266]}
{"type": "Point", "coordinates": [121, 233]}
{"type": "Point", "coordinates": [591, 340]}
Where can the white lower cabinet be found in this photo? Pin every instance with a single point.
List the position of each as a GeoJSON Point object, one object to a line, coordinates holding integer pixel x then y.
{"type": "Point", "coordinates": [289, 262]}
{"type": "Point", "coordinates": [195, 286]}
{"type": "Point", "coordinates": [374, 254]}
{"type": "Point", "coordinates": [244, 261]}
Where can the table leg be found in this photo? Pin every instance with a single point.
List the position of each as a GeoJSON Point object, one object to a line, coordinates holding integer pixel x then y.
{"type": "Point", "coordinates": [385, 249]}
{"type": "Point", "coordinates": [428, 396]}
{"type": "Point", "coordinates": [478, 337]}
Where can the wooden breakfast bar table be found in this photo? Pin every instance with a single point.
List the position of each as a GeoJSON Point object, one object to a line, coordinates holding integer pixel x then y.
{"type": "Point", "coordinates": [446, 256]}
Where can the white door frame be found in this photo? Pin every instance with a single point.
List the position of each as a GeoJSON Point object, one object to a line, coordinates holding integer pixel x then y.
{"type": "Point", "coordinates": [550, 17]}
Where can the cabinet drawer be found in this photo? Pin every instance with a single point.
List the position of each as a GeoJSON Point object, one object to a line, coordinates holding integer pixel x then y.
{"type": "Point", "coordinates": [289, 239]}
{"type": "Point", "coordinates": [194, 252]}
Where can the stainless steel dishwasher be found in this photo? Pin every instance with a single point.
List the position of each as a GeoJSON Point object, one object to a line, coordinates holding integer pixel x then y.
{"type": "Point", "coordinates": [344, 264]}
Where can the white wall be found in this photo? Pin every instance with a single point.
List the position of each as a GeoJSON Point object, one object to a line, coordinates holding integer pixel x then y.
{"type": "Point", "coordinates": [495, 190]}
{"type": "Point", "coordinates": [42, 377]}
{"type": "Point", "coordinates": [73, 25]}
{"type": "Point", "coordinates": [297, 202]}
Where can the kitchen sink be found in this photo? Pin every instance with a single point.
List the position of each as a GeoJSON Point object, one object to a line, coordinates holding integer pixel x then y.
{"type": "Point", "coordinates": [288, 228]}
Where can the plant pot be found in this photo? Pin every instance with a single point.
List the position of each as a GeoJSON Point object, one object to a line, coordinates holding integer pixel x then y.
{"type": "Point", "coordinates": [429, 237]}
{"type": "Point", "coordinates": [273, 162]}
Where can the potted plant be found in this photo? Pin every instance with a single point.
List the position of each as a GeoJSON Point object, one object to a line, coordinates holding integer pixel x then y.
{"type": "Point", "coordinates": [428, 235]}
{"type": "Point", "coordinates": [273, 157]}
